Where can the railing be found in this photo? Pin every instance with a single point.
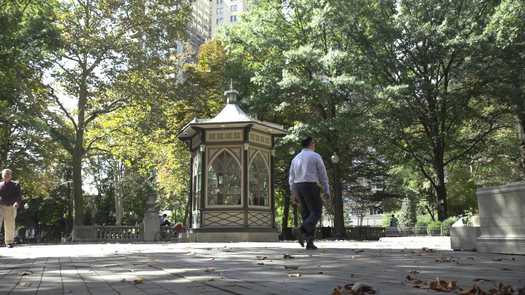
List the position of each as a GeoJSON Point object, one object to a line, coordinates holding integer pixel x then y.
{"type": "Point", "coordinates": [99, 233]}
{"type": "Point", "coordinates": [417, 230]}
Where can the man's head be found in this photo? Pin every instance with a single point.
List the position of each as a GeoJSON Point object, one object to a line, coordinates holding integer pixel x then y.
{"type": "Point", "coordinates": [7, 174]}
{"type": "Point", "coordinates": [308, 143]}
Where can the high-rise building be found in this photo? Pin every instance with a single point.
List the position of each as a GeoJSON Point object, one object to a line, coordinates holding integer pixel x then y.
{"type": "Point", "coordinates": [208, 16]}
{"type": "Point", "coordinates": [226, 12]}
{"type": "Point", "coordinates": [200, 26]}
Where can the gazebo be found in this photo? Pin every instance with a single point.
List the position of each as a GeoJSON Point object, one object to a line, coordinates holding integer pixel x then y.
{"type": "Point", "coordinates": [232, 194]}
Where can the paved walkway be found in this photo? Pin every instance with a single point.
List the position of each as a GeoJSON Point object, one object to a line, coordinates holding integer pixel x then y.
{"type": "Point", "coordinates": [251, 268]}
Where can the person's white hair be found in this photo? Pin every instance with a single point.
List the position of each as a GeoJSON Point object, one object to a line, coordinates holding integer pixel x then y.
{"type": "Point", "coordinates": [7, 172]}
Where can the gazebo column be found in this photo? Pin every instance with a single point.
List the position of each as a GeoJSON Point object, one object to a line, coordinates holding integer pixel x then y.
{"type": "Point", "coordinates": [272, 175]}
{"type": "Point", "coordinates": [204, 177]}
{"type": "Point", "coordinates": [191, 192]}
{"type": "Point", "coordinates": [245, 181]}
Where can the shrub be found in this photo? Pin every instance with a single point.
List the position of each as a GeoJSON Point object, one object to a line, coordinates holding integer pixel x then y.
{"type": "Point", "coordinates": [434, 228]}
{"type": "Point", "coordinates": [445, 226]}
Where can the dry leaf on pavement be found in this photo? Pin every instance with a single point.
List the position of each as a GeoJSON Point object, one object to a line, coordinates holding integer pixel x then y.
{"type": "Point", "coordinates": [138, 280]}
{"type": "Point", "coordinates": [354, 289]}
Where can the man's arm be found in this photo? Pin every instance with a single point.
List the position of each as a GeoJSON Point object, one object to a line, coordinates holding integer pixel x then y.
{"type": "Point", "coordinates": [18, 196]}
{"type": "Point", "coordinates": [323, 177]}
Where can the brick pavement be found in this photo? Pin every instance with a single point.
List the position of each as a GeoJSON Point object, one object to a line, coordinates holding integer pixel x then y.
{"type": "Point", "coordinates": [248, 268]}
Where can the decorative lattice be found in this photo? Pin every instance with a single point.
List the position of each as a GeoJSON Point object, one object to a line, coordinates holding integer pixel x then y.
{"type": "Point", "coordinates": [223, 218]}
{"type": "Point", "coordinates": [260, 138]}
{"type": "Point", "coordinates": [260, 219]}
{"type": "Point", "coordinates": [224, 135]}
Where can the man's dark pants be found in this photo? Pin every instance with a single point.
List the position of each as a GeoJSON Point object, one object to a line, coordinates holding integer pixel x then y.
{"type": "Point", "coordinates": [311, 207]}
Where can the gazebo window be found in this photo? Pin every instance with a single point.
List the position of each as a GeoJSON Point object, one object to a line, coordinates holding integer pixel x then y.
{"type": "Point", "coordinates": [259, 186]}
{"type": "Point", "coordinates": [224, 181]}
{"type": "Point", "coordinates": [197, 181]}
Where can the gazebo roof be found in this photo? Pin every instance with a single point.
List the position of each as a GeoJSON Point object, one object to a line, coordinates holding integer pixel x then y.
{"type": "Point", "coordinates": [231, 116]}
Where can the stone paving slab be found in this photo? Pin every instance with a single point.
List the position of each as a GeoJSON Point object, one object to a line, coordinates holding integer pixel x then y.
{"type": "Point", "coordinates": [249, 268]}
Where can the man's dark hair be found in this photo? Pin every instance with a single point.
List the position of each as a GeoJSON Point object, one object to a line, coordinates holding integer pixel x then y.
{"type": "Point", "coordinates": [307, 141]}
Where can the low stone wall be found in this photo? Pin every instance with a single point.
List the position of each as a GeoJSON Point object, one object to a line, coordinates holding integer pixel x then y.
{"type": "Point", "coordinates": [502, 219]}
{"type": "Point", "coordinates": [99, 233]}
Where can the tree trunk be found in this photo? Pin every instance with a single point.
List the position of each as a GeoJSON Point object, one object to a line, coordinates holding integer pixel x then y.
{"type": "Point", "coordinates": [117, 180]}
{"type": "Point", "coordinates": [286, 213]}
{"type": "Point", "coordinates": [77, 189]}
{"type": "Point", "coordinates": [521, 129]}
{"type": "Point", "coordinates": [339, 217]}
{"type": "Point", "coordinates": [78, 153]}
{"type": "Point", "coordinates": [441, 190]}
{"type": "Point", "coordinates": [296, 216]}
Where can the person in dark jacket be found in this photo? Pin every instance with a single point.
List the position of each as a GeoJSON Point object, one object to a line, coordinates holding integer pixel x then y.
{"type": "Point", "coordinates": [10, 200]}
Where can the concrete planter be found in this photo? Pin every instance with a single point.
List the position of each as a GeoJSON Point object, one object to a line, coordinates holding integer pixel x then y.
{"type": "Point", "coordinates": [502, 219]}
{"type": "Point", "coordinates": [464, 237]}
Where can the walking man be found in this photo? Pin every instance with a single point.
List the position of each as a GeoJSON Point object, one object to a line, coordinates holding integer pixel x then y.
{"type": "Point", "coordinates": [10, 200]}
{"type": "Point", "coordinates": [307, 176]}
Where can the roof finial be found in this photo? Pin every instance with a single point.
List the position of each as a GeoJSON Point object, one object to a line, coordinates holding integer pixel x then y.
{"type": "Point", "coordinates": [231, 94]}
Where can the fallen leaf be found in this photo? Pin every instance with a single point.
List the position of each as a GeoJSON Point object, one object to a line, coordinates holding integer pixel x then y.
{"type": "Point", "coordinates": [138, 280]}
{"type": "Point", "coordinates": [25, 284]}
{"type": "Point", "coordinates": [481, 280]}
{"type": "Point", "coordinates": [288, 256]}
{"type": "Point", "coordinates": [294, 275]}
{"type": "Point", "coordinates": [362, 288]}
{"type": "Point", "coordinates": [354, 289]}
{"type": "Point", "coordinates": [291, 267]}
{"type": "Point", "coordinates": [25, 273]}
{"type": "Point", "coordinates": [260, 263]}
{"type": "Point", "coordinates": [442, 285]}
{"type": "Point", "coordinates": [209, 269]}
{"type": "Point", "coordinates": [261, 257]}
{"type": "Point", "coordinates": [427, 250]}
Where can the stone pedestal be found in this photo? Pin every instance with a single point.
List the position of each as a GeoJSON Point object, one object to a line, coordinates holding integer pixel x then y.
{"type": "Point", "coordinates": [464, 237]}
{"type": "Point", "coordinates": [151, 226]}
{"type": "Point", "coordinates": [502, 219]}
{"type": "Point", "coordinates": [203, 236]}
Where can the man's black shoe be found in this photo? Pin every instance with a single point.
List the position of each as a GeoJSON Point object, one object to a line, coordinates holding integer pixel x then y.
{"type": "Point", "coordinates": [299, 235]}
{"type": "Point", "coordinates": [311, 246]}
{"type": "Point", "coordinates": [9, 245]}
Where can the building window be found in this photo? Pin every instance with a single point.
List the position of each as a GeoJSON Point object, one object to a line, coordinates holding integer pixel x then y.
{"type": "Point", "coordinates": [219, 1]}
{"type": "Point", "coordinates": [233, 7]}
{"type": "Point", "coordinates": [259, 185]}
{"type": "Point", "coordinates": [220, 11]}
{"type": "Point", "coordinates": [224, 181]}
{"type": "Point", "coordinates": [219, 20]}
{"type": "Point", "coordinates": [233, 18]}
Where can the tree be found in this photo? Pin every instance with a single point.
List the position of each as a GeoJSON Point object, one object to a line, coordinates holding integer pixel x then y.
{"type": "Point", "coordinates": [420, 59]}
{"type": "Point", "coordinates": [107, 46]}
{"type": "Point", "coordinates": [501, 70]}
{"type": "Point", "coordinates": [301, 72]}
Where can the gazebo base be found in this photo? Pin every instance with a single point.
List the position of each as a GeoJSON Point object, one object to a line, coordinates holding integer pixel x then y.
{"type": "Point", "coordinates": [203, 236]}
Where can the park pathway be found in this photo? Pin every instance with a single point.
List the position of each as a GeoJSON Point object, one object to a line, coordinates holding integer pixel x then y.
{"type": "Point", "coordinates": [390, 266]}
